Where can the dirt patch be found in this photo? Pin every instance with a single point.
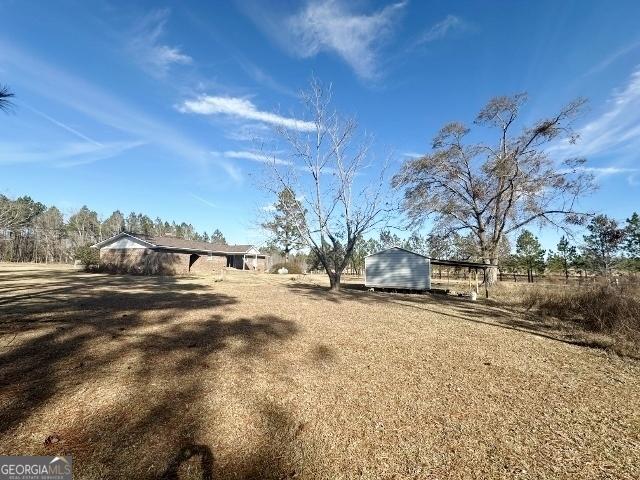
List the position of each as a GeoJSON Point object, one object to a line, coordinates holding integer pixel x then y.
{"type": "Point", "coordinates": [267, 376]}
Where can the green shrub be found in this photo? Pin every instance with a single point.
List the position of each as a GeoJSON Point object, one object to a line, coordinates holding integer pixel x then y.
{"type": "Point", "coordinates": [90, 257]}
{"type": "Point", "coordinates": [293, 268]}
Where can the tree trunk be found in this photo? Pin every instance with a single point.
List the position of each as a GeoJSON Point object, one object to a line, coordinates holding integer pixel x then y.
{"type": "Point", "coordinates": [492, 271]}
{"type": "Point", "coordinates": [334, 281]}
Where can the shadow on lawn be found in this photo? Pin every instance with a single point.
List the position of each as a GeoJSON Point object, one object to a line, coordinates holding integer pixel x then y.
{"type": "Point", "coordinates": [158, 340]}
{"type": "Point", "coordinates": [456, 307]}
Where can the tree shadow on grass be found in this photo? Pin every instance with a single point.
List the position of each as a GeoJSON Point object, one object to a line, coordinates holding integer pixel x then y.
{"type": "Point", "coordinates": [186, 453]}
{"type": "Point", "coordinates": [453, 307]}
{"type": "Point", "coordinates": [120, 374]}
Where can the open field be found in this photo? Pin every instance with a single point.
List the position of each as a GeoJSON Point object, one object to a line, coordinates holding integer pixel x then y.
{"type": "Point", "coordinates": [264, 376]}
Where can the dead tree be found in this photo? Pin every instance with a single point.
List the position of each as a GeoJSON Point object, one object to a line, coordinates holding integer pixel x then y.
{"type": "Point", "coordinates": [341, 195]}
{"type": "Point", "coordinates": [492, 190]}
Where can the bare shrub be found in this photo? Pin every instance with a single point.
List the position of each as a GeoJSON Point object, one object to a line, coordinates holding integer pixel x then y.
{"type": "Point", "coordinates": [292, 268]}
{"type": "Point", "coordinates": [599, 308]}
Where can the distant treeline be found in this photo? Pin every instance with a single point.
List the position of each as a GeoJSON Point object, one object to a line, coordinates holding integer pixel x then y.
{"type": "Point", "coordinates": [33, 232]}
{"type": "Point", "coordinates": [607, 247]}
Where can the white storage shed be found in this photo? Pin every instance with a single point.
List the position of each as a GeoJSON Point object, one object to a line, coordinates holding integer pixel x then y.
{"type": "Point", "coordinates": [397, 268]}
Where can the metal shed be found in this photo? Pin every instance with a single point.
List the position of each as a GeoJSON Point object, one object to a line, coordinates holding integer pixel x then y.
{"type": "Point", "coordinates": [399, 268]}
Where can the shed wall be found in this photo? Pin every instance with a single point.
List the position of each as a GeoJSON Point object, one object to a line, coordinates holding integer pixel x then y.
{"type": "Point", "coordinates": [397, 269]}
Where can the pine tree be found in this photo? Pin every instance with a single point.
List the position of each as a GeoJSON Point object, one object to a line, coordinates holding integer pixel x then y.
{"type": "Point", "coordinates": [632, 240]}
{"type": "Point", "coordinates": [603, 242]}
{"type": "Point", "coordinates": [113, 225]}
{"type": "Point", "coordinates": [530, 254]}
{"type": "Point", "coordinates": [566, 255]}
{"type": "Point", "coordinates": [283, 226]}
{"type": "Point", "coordinates": [217, 238]}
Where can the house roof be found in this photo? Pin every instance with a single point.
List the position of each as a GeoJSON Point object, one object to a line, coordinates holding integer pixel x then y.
{"type": "Point", "coordinates": [175, 243]}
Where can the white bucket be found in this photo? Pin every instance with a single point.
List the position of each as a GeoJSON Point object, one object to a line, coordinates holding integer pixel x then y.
{"type": "Point", "coordinates": [474, 296]}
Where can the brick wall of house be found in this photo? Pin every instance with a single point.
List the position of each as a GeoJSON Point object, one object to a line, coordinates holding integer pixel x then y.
{"type": "Point", "coordinates": [262, 264]}
{"type": "Point", "coordinates": [206, 264]}
{"type": "Point", "coordinates": [145, 261]}
{"type": "Point", "coordinates": [151, 262]}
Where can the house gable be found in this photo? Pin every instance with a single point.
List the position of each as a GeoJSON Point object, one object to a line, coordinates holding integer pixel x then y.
{"type": "Point", "coordinates": [122, 241]}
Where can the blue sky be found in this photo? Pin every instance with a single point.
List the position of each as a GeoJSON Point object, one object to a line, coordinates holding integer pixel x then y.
{"type": "Point", "coordinates": [152, 106]}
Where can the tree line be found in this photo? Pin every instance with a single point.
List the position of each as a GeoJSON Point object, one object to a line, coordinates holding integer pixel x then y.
{"type": "Point", "coordinates": [606, 247]}
{"type": "Point", "coordinates": [33, 232]}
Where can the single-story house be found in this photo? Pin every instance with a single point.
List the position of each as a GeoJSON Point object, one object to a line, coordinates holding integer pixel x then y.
{"type": "Point", "coordinates": [397, 268]}
{"type": "Point", "coordinates": [168, 255]}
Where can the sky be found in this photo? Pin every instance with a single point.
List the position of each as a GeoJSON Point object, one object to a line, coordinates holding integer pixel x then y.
{"type": "Point", "coordinates": [155, 107]}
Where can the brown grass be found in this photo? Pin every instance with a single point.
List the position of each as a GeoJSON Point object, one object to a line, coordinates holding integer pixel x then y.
{"type": "Point", "coordinates": [268, 376]}
{"type": "Point", "coordinates": [600, 313]}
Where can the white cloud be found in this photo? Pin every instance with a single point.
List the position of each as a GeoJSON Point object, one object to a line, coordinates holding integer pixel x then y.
{"type": "Point", "coordinates": [413, 154]}
{"type": "Point", "coordinates": [256, 157]}
{"type": "Point", "coordinates": [243, 109]}
{"type": "Point", "coordinates": [64, 126]}
{"type": "Point", "coordinates": [615, 131]}
{"type": "Point", "coordinates": [332, 26]}
{"type": "Point", "coordinates": [203, 200]}
{"type": "Point", "coordinates": [147, 48]}
{"type": "Point", "coordinates": [248, 132]}
{"type": "Point", "coordinates": [605, 171]}
{"type": "Point", "coordinates": [268, 208]}
{"type": "Point", "coordinates": [62, 155]}
{"type": "Point", "coordinates": [613, 57]}
{"type": "Point", "coordinates": [99, 105]}
{"type": "Point", "coordinates": [234, 172]}
{"type": "Point", "coordinates": [441, 29]}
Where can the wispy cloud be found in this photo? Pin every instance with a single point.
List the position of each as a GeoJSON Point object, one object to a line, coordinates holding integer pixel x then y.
{"type": "Point", "coordinates": [248, 132]}
{"type": "Point", "coordinates": [256, 157]}
{"type": "Point", "coordinates": [615, 131]}
{"type": "Point", "coordinates": [62, 155]}
{"type": "Point", "coordinates": [413, 154]}
{"type": "Point", "coordinates": [613, 57]}
{"type": "Point", "coordinates": [148, 49]}
{"type": "Point", "coordinates": [268, 208]}
{"type": "Point", "coordinates": [64, 126]}
{"type": "Point", "coordinates": [203, 200]}
{"type": "Point", "coordinates": [335, 27]}
{"type": "Point", "coordinates": [441, 29]}
{"type": "Point", "coordinates": [229, 167]}
{"type": "Point", "coordinates": [105, 108]}
{"type": "Point", "coordinates": [241, 108]}
{"type": "Point", "coordinates": [263, 78]}
{"type": "Point", "coordinates": [605, 171]}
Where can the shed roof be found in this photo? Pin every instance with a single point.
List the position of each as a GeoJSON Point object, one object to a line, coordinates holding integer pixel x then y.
{"type": "Point", "coordinates": [396, 248]}
{"type": "Point", "coordinates": [436, 261]}
{"type": "Point", "coordinates": [175, 243]}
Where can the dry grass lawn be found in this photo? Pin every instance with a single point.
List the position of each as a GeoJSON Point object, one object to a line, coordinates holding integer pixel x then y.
{"type": "Point", "coordinates": [264, 376]}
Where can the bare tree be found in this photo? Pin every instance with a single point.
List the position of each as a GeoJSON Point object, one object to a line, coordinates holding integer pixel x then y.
{"type": "Point", "coordinates": [49, 229]}
{"type": "Point", "coordinates": [326, 169]}
{"type": "Point", "coordinates": [5, 98]}
{"type": "Point", "coordinates": [493, 190]}
{"type": "Point", "coordinates": [19, 213]}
